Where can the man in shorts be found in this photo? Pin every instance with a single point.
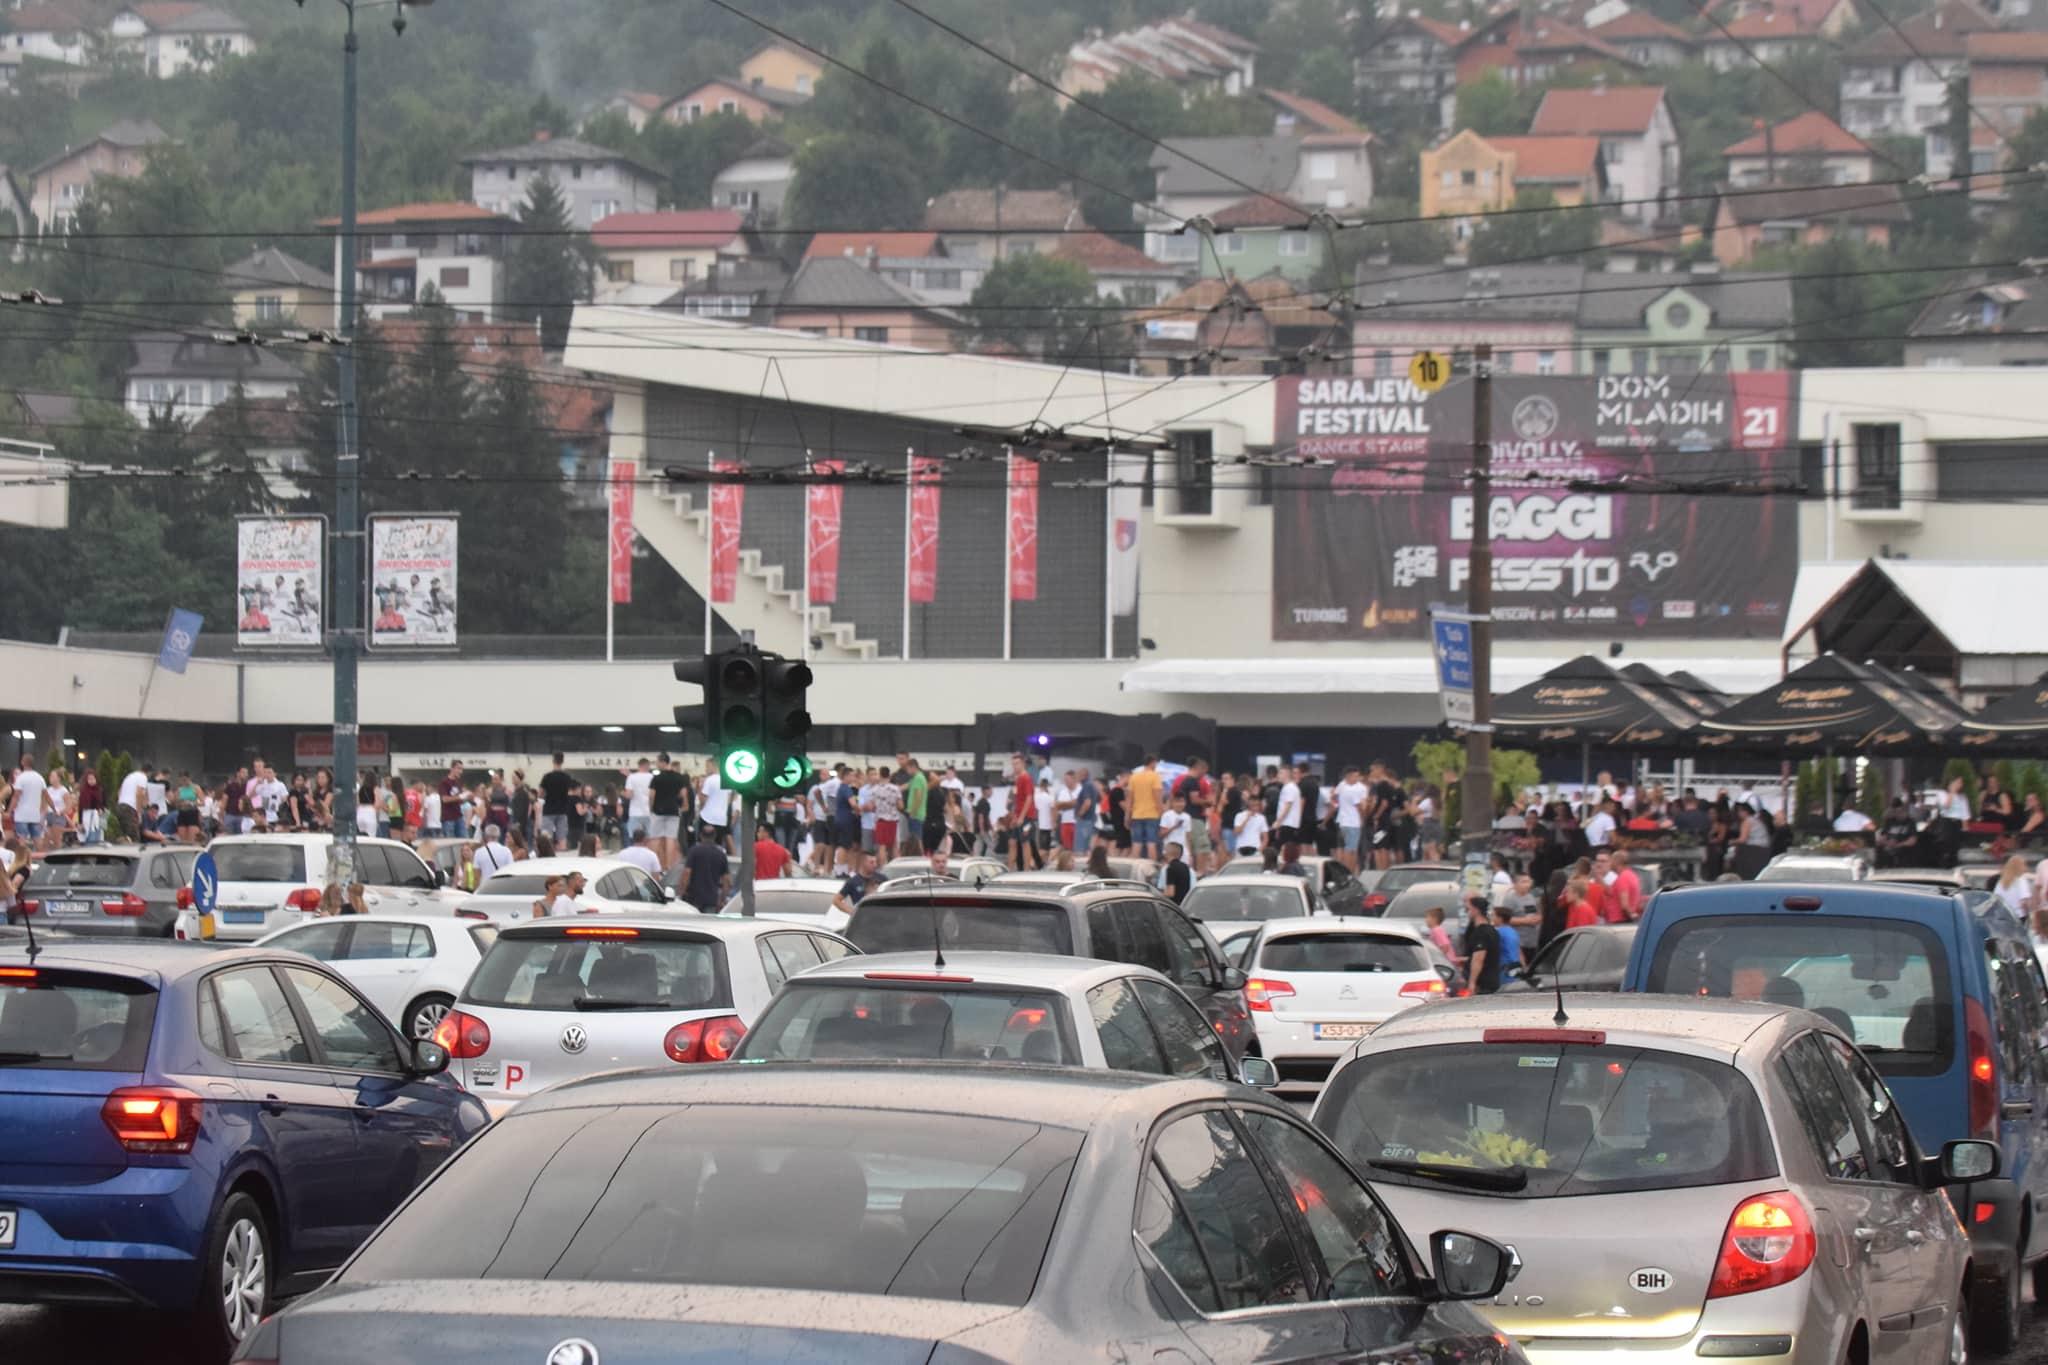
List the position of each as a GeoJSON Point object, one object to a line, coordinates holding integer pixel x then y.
{"type": "Point", "coordinates": [1023, 815]}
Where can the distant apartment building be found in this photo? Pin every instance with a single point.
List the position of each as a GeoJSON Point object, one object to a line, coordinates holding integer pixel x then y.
{"type": "Point", "coordinates": [459, 249]}
{"type": "Point", "coordinates": [595, 182]}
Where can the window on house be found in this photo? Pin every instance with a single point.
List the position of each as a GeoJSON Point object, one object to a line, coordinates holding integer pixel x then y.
{"type": "Point", "coordinates": [575, 172]}
{"type": "Point", "coordinates": [1757, 358]}
{"type": "Point", "coordinates": [1449, 179]}
{"type": "Point", "coordinates": [942, 279]}
{"type": "Point", "coordinates": [1141, 293]}
{"type": "Point", "coordinates": [1679, 362]}
{"type": "Point", "coordinates": [1382, 364]}
{"type": "Point", "coordinates": [1877, 464]}
{"type": "Point", "coordinates": [1194, 472]}
{"type": "Point", "coordinates": [728, 106]}
{"type": "Point", "coordinates": [1230, 244]}
{"type": "Point", "coordinates": [1322, 166]}
{"type": "Point", "coordinates": [1294, 244]}
{"type": "Point", "coordinates": [871, 334]}
{"type": "Point", "coordinates": [1611, 150]}
{"type": "Point", "coordinates": [1468, 177]}
{"type": "Point", "coordinates": [1020, 249]}
{"type": "Point", "coordinates": [269, 307]}
{"type": "Point", "coordinates": [803, 85]}
{"type": "Point", "coordinates": [455, 277]}
{"type": "Point", "coordinates": [693, 111]}
{"type": "Point", "coordinates": [1603, 360]}
{"type": "Point", "coordinates": [480, 345]}
{"type": "Point", "coordinates": [619, 272]}
{"type": "Point", "coordinates": [1546, 362]}
{"type": "Point", "coordinates": [681, 270]}
{"type": "Point", "coordinates": [1639, 362]}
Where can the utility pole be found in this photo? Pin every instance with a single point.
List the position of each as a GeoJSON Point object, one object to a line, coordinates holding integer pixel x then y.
{"type": "Point", "coordinates": [348, 516]}
{"type": "Point", "coordinates": [1476, 801]}
{"type": "Point", "coordinates": [745, 825]}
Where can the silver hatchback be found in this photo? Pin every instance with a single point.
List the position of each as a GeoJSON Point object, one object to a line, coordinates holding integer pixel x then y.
{"type": "Point", "coordinates": [1680, 1178]}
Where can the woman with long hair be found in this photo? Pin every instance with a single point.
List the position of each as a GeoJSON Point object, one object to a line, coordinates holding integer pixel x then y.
{"type": "Point", "coordinates": [2015, 885]}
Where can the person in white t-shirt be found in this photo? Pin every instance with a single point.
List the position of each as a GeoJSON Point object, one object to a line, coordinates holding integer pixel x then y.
{"type": "Point", "coordinates": [1173, 823]}
{"type": "Point", "coordinates": [271, 795]}
{"type": "Point", "coordinates": [30, 793]}
{"type": "Point", "coordinates": [1600, 827]}
{"type": "Point", "coordinates": [1350, 795]}
{"type": "Point", "coordinates": [1287, 810]}
{"type": "Point", "coordinates": [1043, 804]}
{"type": "Point", "coordinates": [1853, 821]}
{"type": "Point", "coordinates": [133, 788]}
{"type": "Point", "coordinates": [1249, 834]}
{"type": "Point", "coordinates": [640, 855]}
{"type": "Point", "coordinates": [639, 798]}
{"type": "Point", "coordinates": [714, 802]}
{"type": "Point", "coordinates": [430, 811]}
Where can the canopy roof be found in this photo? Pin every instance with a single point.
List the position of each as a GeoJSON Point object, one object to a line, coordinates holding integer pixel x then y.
{"type": "Point", "coordinates": [2021, 714]}
{"type": "Point", "coordinates": [1585, 701]}
{"type": "Point", "coordinates": [1833, 704]}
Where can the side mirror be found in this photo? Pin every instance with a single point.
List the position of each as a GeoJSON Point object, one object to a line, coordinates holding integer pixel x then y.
{"type": "Point", "coordinates": [1467, 1266]}
{"type": "Point", "coordinates": [1965, 1160]}
{"type": "Point", "coordinates": [1258, 1073]}
{"type": "Point", "coordinates": [440, 877]}
{"type": "Point", "coordinates": [1233, 979]}
{"type": "Point", "coordinates": [429, 1058]}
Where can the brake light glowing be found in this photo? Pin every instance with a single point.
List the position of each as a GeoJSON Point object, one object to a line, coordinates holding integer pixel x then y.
{"type": "Point", "coordinates": [154, 1119]}
{"type": "Point", "coordinates": [704, 1040]}
{"type": "Point", "coordinates": [1983, 1213]}
{"type": "Point", "coordinates": [306, 899]}
{"type": "Point", "coordinates": [915, 976]}
{"type": "Point", "coordinates": [1260, 992]}
{"type": "Point", "coordinates": [1769, 1242]}
{"type": "Point", "coordinates": [1030, 1017]}
{"type": "Point", "coordinates": [1587, 1037]}
{"type": "Point", "coordinates": [30, 907]}
{"type": "Point", "coordinates": [463, 1035]}
{"type": "Point", "coordinates": [17, 973]}
{"type": "Point", "coordinates": [129, 905]}
{"type": "Point", "coordinates": [1428, 990]}
{"type": "Point", "coordinates": [600, 931]}
{"type": "Point", "coordinates": [1983, 1071]}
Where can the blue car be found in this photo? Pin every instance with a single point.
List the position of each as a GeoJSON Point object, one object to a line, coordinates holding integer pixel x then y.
{"type": "Point", "coordinates": [1939, 988]}
{"type": "Point", "coordinates": [201, 1133]}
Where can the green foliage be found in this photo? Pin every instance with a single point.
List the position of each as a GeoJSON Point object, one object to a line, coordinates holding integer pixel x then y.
{"type": "Point", "coordinates": [549, 268]}
{"type": "Point", "coordinates": [844, 180]}
{"type": "Point", "coordinates": [1295, 41]}
{"type": "Point", "coordinates": [1811, 784]}
{"type": "Point", "coordinates": [2008, 774]}
{"type": "Point", "coordinates": [1043, 304]}
{"type": "Point", "coordinates": [2033, 780]}
{"type": "Point", "coordinates": [1514, 770]}
{"type": "Point", "coordinates": [1492, 106]}
{"type": "Point", "coordinates": [1403, 241]}
{"type": "Point", "coordinates": [2023, 230]}
{"type": "Point", "coordinates": [1848, 310]}
{"type": "Point", "coordinates": [1538, 235]}
{"type": "Point", "coordinates": [1870, 793]}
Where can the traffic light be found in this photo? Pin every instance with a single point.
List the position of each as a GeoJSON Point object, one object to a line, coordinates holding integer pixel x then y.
{"type": "Point", "coordinates": [701, 719]}
{"type": "Point", "coordinates": [786, 723]}
{"type": "Point", "coordinates": [742, 720]}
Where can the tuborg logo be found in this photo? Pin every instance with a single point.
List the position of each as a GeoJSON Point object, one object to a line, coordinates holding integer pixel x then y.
{"type": "Point", "coordinates": [574, 1039]}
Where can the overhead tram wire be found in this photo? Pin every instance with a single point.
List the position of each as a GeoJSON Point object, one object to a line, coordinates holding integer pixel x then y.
{"type": "Point", "coordinates": [1935, 71]}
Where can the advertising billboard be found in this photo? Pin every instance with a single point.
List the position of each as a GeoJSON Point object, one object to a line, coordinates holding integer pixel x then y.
{"type": "Point", "coordinates": [412, 580]}
{"type": "Point", "coordinates": [1599, 524]}
{"type": "Point", "coordinates": [280, 568]}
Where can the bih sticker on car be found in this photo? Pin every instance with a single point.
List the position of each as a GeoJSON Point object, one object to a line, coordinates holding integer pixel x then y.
{"type": "Point", "coordinates": [1649, 1280]}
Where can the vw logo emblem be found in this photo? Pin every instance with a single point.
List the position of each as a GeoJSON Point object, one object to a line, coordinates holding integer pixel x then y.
{"type": "Point", "coordinates": [574, 1040]}
{"type": "Point", "coordinates": [574, 1351]}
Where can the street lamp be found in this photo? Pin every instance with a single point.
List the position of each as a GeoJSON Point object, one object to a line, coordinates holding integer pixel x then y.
{"type": "Point", "coordinates": [348, 472]}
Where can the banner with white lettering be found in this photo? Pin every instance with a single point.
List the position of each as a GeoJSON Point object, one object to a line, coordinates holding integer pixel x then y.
{"type": "Point", "coordinates": [1600, 525]}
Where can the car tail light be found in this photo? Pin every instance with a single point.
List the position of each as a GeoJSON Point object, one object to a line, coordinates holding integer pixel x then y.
{"type": "Point", "coordinates": [153, 1118]}
{"type": "Point", "coordinates": [471, 914]}
{"type": "Point", "coordinates": [12, 975]}
{"type": "Point", "coordinates": [184, 898]}
{"type": "Point", "coordinates": [1983, 1080]}
{"type": "Point", "coordinates": [1376, 902]}
{"type": "Point", "coordinates": [306, 898]}
{"type": "Point", "coordinates": [1260, 992]}
{"type": "Point", "coordinates": [704, 1040]}
{"type": "Point", "coordinates": [129, 904]}
{"type": "Point", "coordinates": [1427, 990]}
{"type": "Point", "coordinates": [1769, 1242]}
{"type": "Point", "coordinates": [463, 1035]}
{"type": "Point", "coordinates": [30, 907]}
{"type": "Point", "coordinates": [596, 931]}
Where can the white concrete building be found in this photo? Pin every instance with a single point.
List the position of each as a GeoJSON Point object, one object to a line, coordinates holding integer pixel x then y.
{"type": "Point", "coordinates": [169, 37]}
{"type": "Point", "coordinates": [459, 249]}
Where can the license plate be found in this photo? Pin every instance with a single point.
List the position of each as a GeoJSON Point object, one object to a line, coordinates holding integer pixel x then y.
{"type": "Point", "coordinates": [68, 907]}
{"type": "Point", "coordinates": [242, 916]}
{"type": "Point", "coordinates": [8, 1220]}
{"type": "Point", "coordinates": [1343, 1030]}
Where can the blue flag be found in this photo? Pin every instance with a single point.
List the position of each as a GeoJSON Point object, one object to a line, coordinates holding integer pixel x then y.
{"type": "Point", "coordinates": [181, 632]}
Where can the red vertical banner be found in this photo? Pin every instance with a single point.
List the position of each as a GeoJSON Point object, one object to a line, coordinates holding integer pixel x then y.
{"type": "Point", "coordinates": [824, 504]}
{"type": "Point", "coordinates": [923, 566]}
{"type": "Point", "coordinates": [1763, 409]}
{"type": "Point", "coordinates": [727, 502]}
{"type": "Point", "coordinates": [1023, 529]}
{"type": "Point", "coordinates": [620, 505]}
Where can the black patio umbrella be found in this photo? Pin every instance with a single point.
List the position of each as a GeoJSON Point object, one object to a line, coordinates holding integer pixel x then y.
{"type": "Point", "coordinates": [1584, 701]}
{"type": "Point", "coordinates": [2018, 720]}
{"type": "Point", "coordinates": [1831, 705]}
{"type": "Point", "coordinates": [1692, 682]}
{"type": "Point", "coordinates": [1692, 699]}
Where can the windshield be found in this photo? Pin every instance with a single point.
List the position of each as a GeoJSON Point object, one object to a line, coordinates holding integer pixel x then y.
{"type": "Point", "coordinates": [260, 862]}
{"type": "Point", "coordinates": [928, 1205]}
{"type": "Point", "coordinates": [913, 926]}
{"type": "Point", "coordinates": [1821, 870]}
{"type": "Point", "coordinates": [836, 1019]}
{"type": "Point", "coordinates": [82, 870]}
{"type": "Point", "coordinates": [515, 886]}
{"type": "Point", "coordinates": [557, 971]}
{"type": "Point", "coordinates": [1414, 903]}
{"type": "Point", "coordinates": [1401, 878]}
{"type": "Point", "coordinates": [769, 901]}
{"type": "Point", "coordinates": [1239, 901]}
{"type": "Point", "coordinates": [1884, 983]}
{"type": "Point", "coordinates": [1343, 953]}
{"type": "Point", "coordinates": [1556, 1119]}
{"type": "Point", "coordinates": [74, 1021]}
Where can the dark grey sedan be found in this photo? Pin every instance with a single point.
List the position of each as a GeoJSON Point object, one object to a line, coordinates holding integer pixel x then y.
{"type": "Point", "coordinates": [920, 1212]}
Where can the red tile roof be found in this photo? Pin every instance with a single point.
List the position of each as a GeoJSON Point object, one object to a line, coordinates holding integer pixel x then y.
{"type": "Point", "coordinates": [701, 229]}
{"type": "Point", "coordinates": [45, 19]}
{"type": "Point", "coordinates": [1810, 133]}
{"type": "Point", "coordinates": [1450, 35]}
{"type": "Point", "coordinates": [1641, 24]}
{"type": "Point", "coordinates": [1259, 211]}
{"type": "Point", "coordinates": [1551, 158]}
{"type": "Point", "coordinates": [1554, 35]}
{"type": "Point", "coordinates": [420, 213]}
{"type": "Point", "coordinates": [1760, 24]}
{"type": "Point", "coordinates": [900, 245]}
{"type": "Point", "coordinates": [1313, 111]}
{"type": "Point", "coordinates": [976, 211]}
{"type": "Point", "coordinates": [2007, 47]}
{"type": "Point", "coordinates": [157, 13]}
{"type": "Point", "coordinates": [1222, 37]}
{"type": "Point", "coordinates": [1103, 253]}
{"type": "Point", "coordinates": [1609, 109]}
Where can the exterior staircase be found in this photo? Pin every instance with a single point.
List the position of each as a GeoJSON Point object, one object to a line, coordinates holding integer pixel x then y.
{"type": "Point", "coordinates": [677, 526]}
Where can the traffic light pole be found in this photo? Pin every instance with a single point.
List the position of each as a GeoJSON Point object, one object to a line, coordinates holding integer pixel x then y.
{"type": "Point", "coordinates": [1476, 799]}
{"type": "Point", "coordinates": [745, 825]}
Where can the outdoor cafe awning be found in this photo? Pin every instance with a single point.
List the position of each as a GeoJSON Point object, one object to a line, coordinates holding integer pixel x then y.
{"type": "Point", "coordinates": [1587, 701]}
{"type": "Point", "coordinates": [2017, 720]}
{"type": "Point", "coordinates": [1832, 704]}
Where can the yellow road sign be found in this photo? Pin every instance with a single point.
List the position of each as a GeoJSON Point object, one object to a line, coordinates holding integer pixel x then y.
{"type": "Point", "coordinates": [1429, 371]}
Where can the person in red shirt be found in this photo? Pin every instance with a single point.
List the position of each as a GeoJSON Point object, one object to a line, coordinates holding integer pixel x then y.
{"type": "Point", "coordinates": [770, 858]}
{"type": "Point", "coordinates": [1592, 872]}
{"type": "Point", "coordinates": [1023, 815]}
{"type": "Point", "coordinates": [1628, 887]}
{"type": "Point", "coordinates": [1578, 907]}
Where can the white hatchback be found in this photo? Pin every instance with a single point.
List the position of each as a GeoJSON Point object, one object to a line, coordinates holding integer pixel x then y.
{"type": "Point", "coordinates": [805, 900]}
{"type": "Point", "coordinates": [410, 966]}
{"type": "Point", "coordinates": [1319, 985]}
{"type": "Point", "coordinates": [270, 882]}
{"type": "Point", "coordinates": [612, 886]}
{"type": "Point", "coordinates": [557, 999]}
{"type": "Point", "coordinates": [1233, 901]}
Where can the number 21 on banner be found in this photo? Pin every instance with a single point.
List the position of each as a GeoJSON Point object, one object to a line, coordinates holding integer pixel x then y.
{"type": "Point", "coordinates": [1429, 370]}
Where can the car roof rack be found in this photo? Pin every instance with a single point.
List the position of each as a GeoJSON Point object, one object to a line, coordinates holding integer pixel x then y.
{"type": "Point", "coordinates": [918, 879]}
{"type": "Point", "coordinates": [1127, 883]}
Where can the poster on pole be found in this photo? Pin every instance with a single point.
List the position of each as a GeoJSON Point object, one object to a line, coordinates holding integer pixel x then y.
{"type": "Point", "coordinates": [412, 580]}
{"type": "Point", "coordinates": [280, 571]}
{"type": "Point", "coordinates": [824, 506]}
{"type": "Point", "coordinates": [619, 528]}
{"type": "Point", "coordinates": [728, 506]}
{"type": "Point", "coordinates": [1023, 513]}
{"type": "Point", "coordinates": [922, 567]}
{"type": "Point", "coordinates": [1596, 517]}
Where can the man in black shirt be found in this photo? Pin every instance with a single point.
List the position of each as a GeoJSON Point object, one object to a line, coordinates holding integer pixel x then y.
{"type": "Point", "coordinates": [1481, 948]}
{"type": "Point", "coordinates": [557, 795]}
{"type": "Point", "coordinates": [1312, 832]}
{"type": "Point", "coordinates": [1179, 881]}
{"type": "Point", "coordinates": [665, 810]}
{"type": "Point", "coordinates": [704, 872]}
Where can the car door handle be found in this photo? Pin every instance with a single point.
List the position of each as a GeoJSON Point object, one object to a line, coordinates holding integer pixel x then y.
{"type": "Point", "coordinates": [1864, 1234]}
{"type": "Point", "coordinates": [273, 1105]}
{"type": "Point", "coordinates": [2017, 1109]}
{"type": "Point", "coordinates": [1915, 1237]}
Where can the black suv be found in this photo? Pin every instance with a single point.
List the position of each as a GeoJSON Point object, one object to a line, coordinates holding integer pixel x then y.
{"type": "Point", "coordinates": [1117, 921]}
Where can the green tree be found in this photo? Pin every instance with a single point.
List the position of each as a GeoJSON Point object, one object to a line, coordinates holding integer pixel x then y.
{"type": "Point", "coordinates": [690, 153]}
{"type": "Point", "coordinates": [550, 266]}
{"type": "Point", "coordinates": [1847, 310]}
{"type": "Point", "coordinates": [1537, 230]}
{"type": "Point", "coordinates": [845, 180]}
{"type": "Point", "coordinates": [1870, 795]}
{"type": "Point", "coordinates": [1043, 304]}
{"type": "Point", "coordinates": [1492, 107]}
{"type": "Point", "coordinates": [2023, 230]}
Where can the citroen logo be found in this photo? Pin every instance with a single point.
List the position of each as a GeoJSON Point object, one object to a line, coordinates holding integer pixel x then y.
{"type": "Point", "coordinates": [574, 1351]}
{"type": "Point", "coordinates": [1345, 992]}
{"type": "Point", "coordinates": [574, 1040]}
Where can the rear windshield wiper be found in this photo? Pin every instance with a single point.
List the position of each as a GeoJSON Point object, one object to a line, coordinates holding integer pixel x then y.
{"type": "Point", "coordinates": [23, 1058]}
{"type": "Point", "coordinates": [1507, 1178]}
{"type": "Point", "coordinates": [585, 1002]}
